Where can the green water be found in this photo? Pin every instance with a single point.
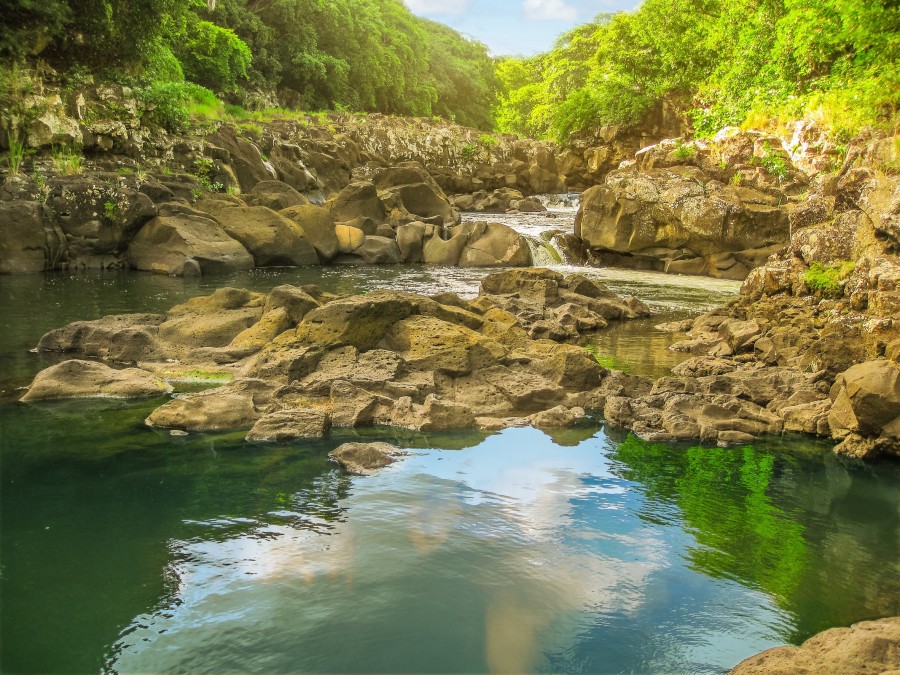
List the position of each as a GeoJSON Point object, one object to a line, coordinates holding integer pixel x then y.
{"type": "Point", "coordinates": [124, 549]}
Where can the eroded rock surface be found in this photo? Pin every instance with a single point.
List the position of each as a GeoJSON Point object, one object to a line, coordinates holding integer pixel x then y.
{"type": "Point", "coordinates": [90, 379]}
{"type": "Point", "coordinates": [865, 647]}
{"type": "Point", "coordinates": [305, 360]}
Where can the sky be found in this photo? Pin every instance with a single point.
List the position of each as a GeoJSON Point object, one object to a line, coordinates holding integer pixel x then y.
{"type": "Point", "coordinates": [522, 27]}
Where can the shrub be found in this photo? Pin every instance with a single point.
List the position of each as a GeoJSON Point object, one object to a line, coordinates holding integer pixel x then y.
{"type": "Point", "coordinates": [214, 56]}
{"type": "Point", "coordinates": [487, 140]}
{"type": "Point", "coordinates": [683, 153]}
{"type": "Point", "coordinates": [826, 279]}
{"type": "Point", "coordinates": [171, 104]}
{"type": "Point", "coordinates": [469, 151]}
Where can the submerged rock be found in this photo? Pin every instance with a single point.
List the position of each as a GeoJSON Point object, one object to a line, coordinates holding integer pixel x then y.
{"type": "Point", "coordinates": [365, 459]}
{"type": "Point", "coordinates": [90, 379]}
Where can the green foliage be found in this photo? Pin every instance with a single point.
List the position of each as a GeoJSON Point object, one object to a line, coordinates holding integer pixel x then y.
{"type": "Point", "coordinates": [111, 211]}
{"type": "Point", "coordinates": [16, 154]}
{"type": "Point", "coordinates": [826, 279]}
{"type": "Point", "coordinates": [487, 140]}
{"type": "Point", "coordinates": [469, 150]}
{"type": "Point", "coordinates": [214, 56]}
{"type": "Point", "coordinates": [834, 60]}
{"type": "Point", "coordinates": [67, 160]}
{"type": "Point", "coordinates": [684, 153]}
{"type": "Point", "coordinates": [773, 163]}
{"type": "Point", "coordinates": [171, 104]}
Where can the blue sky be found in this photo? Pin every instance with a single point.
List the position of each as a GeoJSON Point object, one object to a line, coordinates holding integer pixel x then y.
{"type": "Point", "coordinates": [516, 26]}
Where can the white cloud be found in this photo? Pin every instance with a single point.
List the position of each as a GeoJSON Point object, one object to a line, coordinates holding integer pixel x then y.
{"type": "Point", "coordinates": [438, 6]}
{"type": "Point", "coordinates": [549, 10]}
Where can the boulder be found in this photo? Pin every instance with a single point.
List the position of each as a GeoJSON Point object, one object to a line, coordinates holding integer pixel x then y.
{"type": "Point", "coordinates": [410, 189]}
{"type": "Point", "coordinates": [318, 226]}
{"type": "Point", "coordinates": [296, 302]}
{"type": "Point", "coordinates": [290, 425]}
{"type": "Point", "coordinates": [365, 458]}
{"type": "Point", "coordinates": [428, 343]}
{"type": "Point", "coordinates": [373, 251]}
{"type": "Point", "coordinates": [865, 647]}
{"type": "Point", "coordinates": [243, 157]}
{"type": "Point", "coordinates": [560, 416]}
{"type": "Point", "coordinates": [275, 195]}
{"type": "Point", "coordinates": [99, 220]}
{"type": "Point", "coordinates": [679, 221]}
{"type": "Point", "coordinates": [272, 239]}
{"type": "Point", "coordinates": [212, 321]}
{"type": "Point", "coordinates": [434, 415]}
{"type": "Point", "coordinates": [233, 406]}
{"type": "Point", "coordinates": [28, 240]}
{"type": "Point", "coordinates": [187, 244]}
{"type": "Point", "coordinates": [493, 245]}
{"type": "Point", "coordinates": [90, 379]}
{"type": "Point", "coordinates": [360, 321]}
{"type": "Point", "coordinates": [359, 199]}
{"type": "Point", "coordinates": [411, 242]}
{"type": "Point", "coordinates": [122, 337]}
{"type": "Point", "coordinates": [865, 399]}
{"type": "Point", "coordinates": [349, 238]}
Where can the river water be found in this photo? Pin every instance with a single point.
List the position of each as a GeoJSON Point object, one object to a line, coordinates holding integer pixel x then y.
{"type": "Point", "coordinates": [124, 549]}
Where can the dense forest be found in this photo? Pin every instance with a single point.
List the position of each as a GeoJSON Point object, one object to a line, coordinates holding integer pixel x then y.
{"type": "Point", "coordinates": [360, 55]}
{"type": "Point", "coordinates": [726, 62]}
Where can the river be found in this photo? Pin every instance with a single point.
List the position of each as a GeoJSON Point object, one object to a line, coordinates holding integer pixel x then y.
{"type": "Point", "coordinates": [585, 550]}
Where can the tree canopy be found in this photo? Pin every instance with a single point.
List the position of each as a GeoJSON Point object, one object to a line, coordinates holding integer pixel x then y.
{"type": "Point", "coordinates": [364, 55]}
{"type": "Point", "coordinates": [733, 58]}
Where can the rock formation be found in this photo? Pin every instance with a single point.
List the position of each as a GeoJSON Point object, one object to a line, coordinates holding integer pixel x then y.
{"type": "Point", "coordinates": [305, 360]}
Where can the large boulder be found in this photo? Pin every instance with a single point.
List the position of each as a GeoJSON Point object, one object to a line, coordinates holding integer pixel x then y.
{"type": "Point", "coordinates": [493, 245]}
{"type": "Point", "coordinates": [121, 337]}
{"type": "Point", "coordinates": [865, 647]}
{"type": "Point", "coordinates": [373, 251]}
{"type": "Point", "coordinates": [409, 189]}
{"type": "Point", "coordinates": [865, 410]}
{"type": "Point", "coordinates": [275, 195]}
{"type": "Point", "coordinates": [359, 199]}
{"type": "Point", "coordinates": [318, 225]}
{"type": "Point", "coordinates": [677, 220]}
{"type": "Point", "coordinates": [272, 239]}
{"type": "Point", "coordinates": [211, 321]}
{"type": "Point", "coordinates": [99, 220]}
{"type": "Point", "coordinates": [243, 157]}
{"type": "Point", "coordinates": [88, 379]}
{"type": "Point", "coordinates": [360, 321]}
{"type": "Point", "coordinates": [365, 459]}
{"type": "Point", "coordinates": [290, 425]}
{"type": "Point", "coordinates": [236, 405]}
{"type": "Point", "coordinates": [186, 243]}
{"type": "Point", "coordinates": [28, 240]}
{"type": "Point", "coordinates": [429, 343]}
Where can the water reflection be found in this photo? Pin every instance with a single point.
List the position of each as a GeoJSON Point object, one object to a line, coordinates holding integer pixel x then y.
{"type": "Point", "coordinates": [501, 558]}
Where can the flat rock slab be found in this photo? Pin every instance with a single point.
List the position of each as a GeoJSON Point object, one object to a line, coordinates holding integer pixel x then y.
{"type": "Point", "coordinates": [89, 379]}
{"type": "Point", "coordinates": [364, 459]}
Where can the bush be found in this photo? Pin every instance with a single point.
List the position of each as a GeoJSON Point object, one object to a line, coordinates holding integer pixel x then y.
{"type": "Point", "coordinates": [214, 56]}
{"type": "Point", "coordinates": [170, 104]}
{"type": "Point", "coordinates": [826, 279]}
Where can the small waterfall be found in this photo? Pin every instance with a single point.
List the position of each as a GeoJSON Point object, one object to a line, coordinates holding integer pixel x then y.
{"type": "Point", "coordinates": [542, 253]}
{"type": "Point", "coordinates": [566, 201]}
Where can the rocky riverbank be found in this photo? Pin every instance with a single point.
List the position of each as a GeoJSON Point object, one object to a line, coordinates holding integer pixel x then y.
{"type": "Point", "coordinates": [304, 360]}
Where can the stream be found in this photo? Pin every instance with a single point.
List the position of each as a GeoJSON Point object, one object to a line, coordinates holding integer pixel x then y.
{"type": "Point", "coordinates": [127, 550]}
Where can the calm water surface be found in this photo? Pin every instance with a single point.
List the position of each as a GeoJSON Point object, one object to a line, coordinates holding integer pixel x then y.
{"type": "Point", "coordinates": [125, 549]}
